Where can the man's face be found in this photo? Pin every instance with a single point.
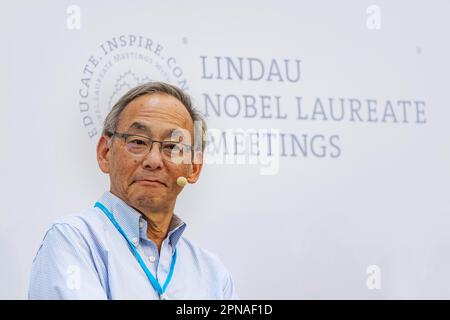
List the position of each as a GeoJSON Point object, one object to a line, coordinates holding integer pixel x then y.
{"type": "Point", "coordinates": [154, 116]}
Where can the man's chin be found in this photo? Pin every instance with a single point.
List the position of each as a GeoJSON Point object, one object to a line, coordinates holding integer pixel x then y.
{"type": "Point", "coordinates": [148, 198]}
{"type": "Point", "coordinates": [149, 194]}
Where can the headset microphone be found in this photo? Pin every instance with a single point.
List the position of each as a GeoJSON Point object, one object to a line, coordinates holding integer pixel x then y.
{"type": "Point", "coordinates": [182, 181]}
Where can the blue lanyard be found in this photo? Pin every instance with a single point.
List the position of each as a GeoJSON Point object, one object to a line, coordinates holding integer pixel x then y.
{"type": "Point", "coordinates": [150, 277]}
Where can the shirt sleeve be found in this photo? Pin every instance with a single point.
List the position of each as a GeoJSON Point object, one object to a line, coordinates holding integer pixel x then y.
{"type": "Point", "coordinates": [229, 290]}
{"type": "Point", "coordinates": [64, 267]}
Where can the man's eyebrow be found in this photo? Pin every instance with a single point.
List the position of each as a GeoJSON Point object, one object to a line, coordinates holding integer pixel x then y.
{"type": "Point", "coordinates": [168, 132]}
{"type": "Point", "coordinates": [143, 128]}
{"type": "Point", "coordinates": [140, 127]}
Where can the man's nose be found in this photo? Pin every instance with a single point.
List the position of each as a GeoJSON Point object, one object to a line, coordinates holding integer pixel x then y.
{"type": "Point", "coordinates": [154, 158]}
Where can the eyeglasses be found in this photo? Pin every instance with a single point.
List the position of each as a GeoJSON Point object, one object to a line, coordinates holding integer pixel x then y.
{"type": "Point", "coordinates": [175, 152]}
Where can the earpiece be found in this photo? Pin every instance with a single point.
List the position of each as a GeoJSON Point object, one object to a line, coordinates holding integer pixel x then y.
{"type": "Point", "coordinates": [182, 181]}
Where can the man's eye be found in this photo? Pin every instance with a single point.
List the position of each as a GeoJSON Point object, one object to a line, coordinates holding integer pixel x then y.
{"type": "Point", "coordinates": [138, 142]}
{"type": "Point", "coordinates": [170, 146]}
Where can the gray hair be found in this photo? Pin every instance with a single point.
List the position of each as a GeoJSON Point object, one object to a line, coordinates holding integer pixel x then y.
{"type": "Point", "coordinates": [112, 119]}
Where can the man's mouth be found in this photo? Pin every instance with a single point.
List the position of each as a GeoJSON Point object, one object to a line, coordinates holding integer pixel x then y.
{"type": "Point", "coordinates": [150, 182]}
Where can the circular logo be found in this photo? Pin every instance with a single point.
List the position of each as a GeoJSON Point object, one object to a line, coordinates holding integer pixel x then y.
{"type": "Point", "coordinates": [120, 64]}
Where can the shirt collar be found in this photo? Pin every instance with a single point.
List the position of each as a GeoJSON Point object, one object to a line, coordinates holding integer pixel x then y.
{"type": "Point", "coordinates": [130, 219]}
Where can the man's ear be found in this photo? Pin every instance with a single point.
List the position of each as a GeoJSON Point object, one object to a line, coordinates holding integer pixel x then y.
{"type": "Point", "coordinates": [195, 168]}
{"type": "Point", "coordinates": [103, 154]}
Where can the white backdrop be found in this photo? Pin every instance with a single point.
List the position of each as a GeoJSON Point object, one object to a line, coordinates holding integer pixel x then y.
{"type": "Point", "coordinates": [368, 190]}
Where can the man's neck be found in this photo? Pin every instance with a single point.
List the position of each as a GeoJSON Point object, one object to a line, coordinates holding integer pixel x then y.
{"type": "Point", "coordinates": [158, 220]}
{"type": "Point", "coordinates": [158, 224]}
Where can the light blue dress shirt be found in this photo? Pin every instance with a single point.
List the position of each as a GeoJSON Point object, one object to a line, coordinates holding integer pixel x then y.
{"type": "Point", "coordinates": [83, 256]}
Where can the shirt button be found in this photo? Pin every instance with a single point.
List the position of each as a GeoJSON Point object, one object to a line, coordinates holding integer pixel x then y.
{"type": "Point", "coordinates": [135, 241]}
{"type": "Point", "coordinates": [141, 224]}
{"type": "Point", "coordinates": [152, 259]}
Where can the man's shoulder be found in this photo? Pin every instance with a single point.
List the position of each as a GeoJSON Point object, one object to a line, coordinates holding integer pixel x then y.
{"type": "Point", "coordinates": [76, 231]}
{"type": "Point", "coordinates": [86, 223]}
{"type": "Point", "coordinates": [83, 220]}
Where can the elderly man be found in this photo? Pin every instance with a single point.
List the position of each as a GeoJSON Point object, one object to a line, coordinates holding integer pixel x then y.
{"type": "Point", "coordinates": [130, 244]}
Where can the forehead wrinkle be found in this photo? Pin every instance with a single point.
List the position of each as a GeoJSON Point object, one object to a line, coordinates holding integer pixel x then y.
{"type": "Point", "coordinates": [175, 114]}
{"type": "Point", "coordinates": [144, 111]}
{"type": "Point", "coordinates": [177, 119]}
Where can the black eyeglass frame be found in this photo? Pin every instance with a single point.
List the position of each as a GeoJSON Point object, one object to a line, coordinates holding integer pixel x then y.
{"type": "Point", "coordinates": [125, 136]}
